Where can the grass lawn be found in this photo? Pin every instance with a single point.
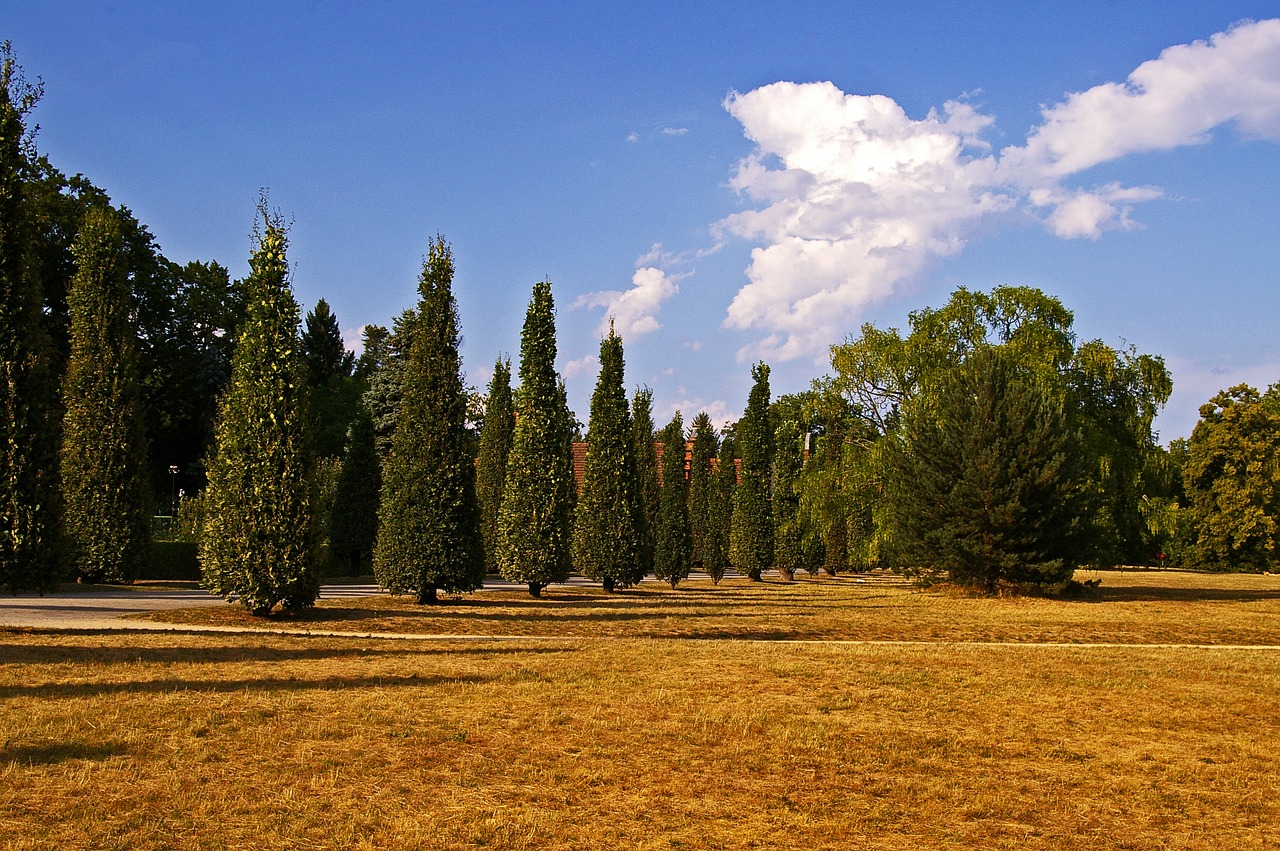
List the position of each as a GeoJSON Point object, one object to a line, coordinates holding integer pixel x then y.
{"type": "Point", "coordinates": [645, 739]}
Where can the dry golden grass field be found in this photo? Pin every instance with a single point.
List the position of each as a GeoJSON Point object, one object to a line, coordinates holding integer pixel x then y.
{"type": "Point", "coordinates": [665, 719]}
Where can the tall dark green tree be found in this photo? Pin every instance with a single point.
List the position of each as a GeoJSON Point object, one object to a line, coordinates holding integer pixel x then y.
{"type": "Point", "coordinates": [491, 467]}
{"type": "Point", "coordinates": [353, 522]}
{"type": "Point", "coordinates": [104, 483]}
{"type": "Point", "coordinates": [606, 532]}
{"type": "Point", "coordinates": [429, 520]}
{"type": "Point", "coordinates": [751, 535]}
{"type": "Point", "coordinates": [720, 517]}
{"type": "Point", "coordinates": [674, 551]}
{"type": "Point", "coordinates": [788, 459]}
{"type": "Point", "coordinates": [984, 485]}
{"type": "Point", "coordinates": [261, 540]}
{"type": "Point", "coordinates": [702, 486]}
{"type": "Point", "coordinates": [335, 394]}
{"type": "Point", "coordinates": [642, 439]}
{"type": "Point", "coordinates": [29, 495]}
{"type": "Point", "coordinates": [535, 521]}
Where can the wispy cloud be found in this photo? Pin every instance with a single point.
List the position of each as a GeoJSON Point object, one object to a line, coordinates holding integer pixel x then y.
{"type": "Point", "coordinates": [587, 365]}
{"type": "Point", "coordinates": [851, 196]}
{"type": "Point", "coordinates": [634, 312]}
{"type": "Point", "coordinates": [674, 131]}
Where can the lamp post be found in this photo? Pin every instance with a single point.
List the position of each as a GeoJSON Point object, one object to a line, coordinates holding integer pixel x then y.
{"type": "Point", "coordinates": [173, 491]}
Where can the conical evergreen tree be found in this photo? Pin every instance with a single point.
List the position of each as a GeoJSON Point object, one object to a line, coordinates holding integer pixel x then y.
{"type": "Point", "coordinates": [29, 415]}
{"type": "Point", "coordinates": [491, 468]}
{"type": "Point", "coordinates": [606, 540]}
{"type": "Point", "coordinates": [535, 521]}
{"type": "Point", "coordinates": [751, 536]}
{"type": "Point", "coordinates": [260, 539]}
{"type": "Point", "coordinates": [788, 554]}
{"type": "Point", "coordinates": [429, 521]}
{"type": "Point", "coordinates": [104, 482]}
{"type": "Point", "coordinates": [648, 490]}
{"type": "Point", "coordinates": [724, 486]}
{"type": "Point", "coordinates": [675, 545]}
{"type": "Point", "coordinates": [702, 487]}
{"type": "Point", "coordinates": [353, 523]}
{"type": "Point", "coordinates": [984, 485]}
{"type": "Point", "coordinates": [323, 352]}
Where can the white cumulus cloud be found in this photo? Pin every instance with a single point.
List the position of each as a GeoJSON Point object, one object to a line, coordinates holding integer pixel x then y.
{"type": "Point", "coordinates": [634, 312]}
{"type": "Point", "coordinates": [850, 195]}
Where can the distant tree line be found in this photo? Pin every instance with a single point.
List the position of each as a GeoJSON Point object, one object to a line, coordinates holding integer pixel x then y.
{"type": "Point", "coordinates": [985, 445]}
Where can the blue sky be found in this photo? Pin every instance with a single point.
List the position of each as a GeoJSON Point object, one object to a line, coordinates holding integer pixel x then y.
{"type": "Point", "coordinates": [715, 175]}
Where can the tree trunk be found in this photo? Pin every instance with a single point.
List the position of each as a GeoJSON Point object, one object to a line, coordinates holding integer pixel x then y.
{"type": "Point", "coordinates": [535, 589]}
{"type": "Point", "coordinates": [609, 584]}
{"type": "Point", "coordinates": [428, 595]}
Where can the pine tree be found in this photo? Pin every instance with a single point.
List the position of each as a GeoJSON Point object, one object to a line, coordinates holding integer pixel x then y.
{"type": "Point", "coordinates": [29, 494]}
{"type": "Point", "coordinates": [353, 523]}
{"type": "Point", "coordinates": [788, 553]}
{"type": "Point", "coordinates": [642, 437]}
{"type": "Point", "coordinates": [429, 520]}
{"type": "Point", "coordinates": [491, 467]}
{"type": "Point", "coordinates": [535, 520]}
{"type": "Point", "coordinates": [606, 540]}
{"type": "Point", "coordinates": [674, 545]}
{"type": "Point", "coordinates": [335, 395]}
{"type": "Point", "coordinates": [260, 539]}
{"type": "Point", "coordinates": [104, 460]}
{"type": "Point", "coordinates": [983, 486]}
{"type": "Point", "coordinates": [724, 487]}
{"type": "Point", "coordinates": [751, 537]}
{"type": "Point", "coordinates": [702, 487]}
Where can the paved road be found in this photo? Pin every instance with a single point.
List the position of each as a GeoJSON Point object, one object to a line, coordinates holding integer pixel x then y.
{"type": "Point", "coordinates": [101, 608]}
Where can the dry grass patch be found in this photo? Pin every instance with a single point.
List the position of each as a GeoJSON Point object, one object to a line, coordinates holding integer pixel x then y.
{"type": "Point", "coordinates": [1143, 607]}
{"type": "Point", "coordinates": [258, 741]}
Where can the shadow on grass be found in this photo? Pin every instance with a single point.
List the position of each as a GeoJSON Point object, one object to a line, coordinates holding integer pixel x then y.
{"type": "Point", "coordinates": [39, 654]}
{"type": "Point", "coordinates": [1139, 593]}
{"type": "Point", "coordinates": [56, 752]}
{"type": "Point", "coordinates": [169, 686]}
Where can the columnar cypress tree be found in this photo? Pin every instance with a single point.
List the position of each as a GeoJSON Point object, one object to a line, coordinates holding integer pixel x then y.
{"type": "Point", "coordinates": [429, 520]}
{"type": "Point", "coordinates": [491, 467]}
{"type": "Point", "coordinates": [642, 437]}
{"type": "Point", "coordinates": [104, 460]}
{"type": "Point", "coordinates": [353, 524]}
{"type": "Point", "coordinates": [606, 539]}
{"type": "Point", "coordinates": [724, 486]}
{"type": "Point", "coordinates": [29, 495]}
{"type": "Point", "coordinates": [751, 537]}
{"type": "Point", "coordinates": [788, 555]}
{"type": "Point", "coordinates": [701, 487]}
{"type": "Point", "coordinates": [535, 520]}
{"type": "Point", "coordinates": [260, 539]}
{"type": "Point", "coordinates": [675, 545]}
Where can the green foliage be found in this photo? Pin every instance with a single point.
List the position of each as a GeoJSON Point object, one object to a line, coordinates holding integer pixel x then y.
{"type": "Point", "coordinates": [429, 519]}
{"type": "Point", "coordinates": [335, 393]}
{"type": "Point", "coordinates": [720, 516]}
{"type": "Point", "coordinates": [674, 546]}
{"type": "Point", "coordinates": [1232, 477]}
{"type": "Point", "coordinates": [702, 488]}
{"type": "Point", "coordinates": [260, 540]}
{"type": "Point", "coordinates": [495, 447]}
{"type": "Point", "coordinates": [642, 438]}
{"type": "Point", "coordinates": [353, 521]}
{"type": "Point", "coordinates": [788, 532]}
{"type": "Point", "coordinates": [1110, 396]}
{"type": "Point", "coordinates": [29, 496]}
{"type": "Point", "coordinates": [535, 520]}
{"type": "Point", "coordinates": [982, 486]}
{"type": "Point", "coordinates": [751, 534]}
{"type": "Point", "coordinates": [105, 492]}
{"type": "Point", "coordinates": [606, 539]}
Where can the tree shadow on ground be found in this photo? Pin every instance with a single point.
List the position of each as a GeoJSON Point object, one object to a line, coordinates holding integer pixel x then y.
{"type": "Point", "coordinates": [52, 753]}
{"type": "Point", "coordinates": [263, 684]}
{"type": "Point", "coordinates": [31, 654]}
